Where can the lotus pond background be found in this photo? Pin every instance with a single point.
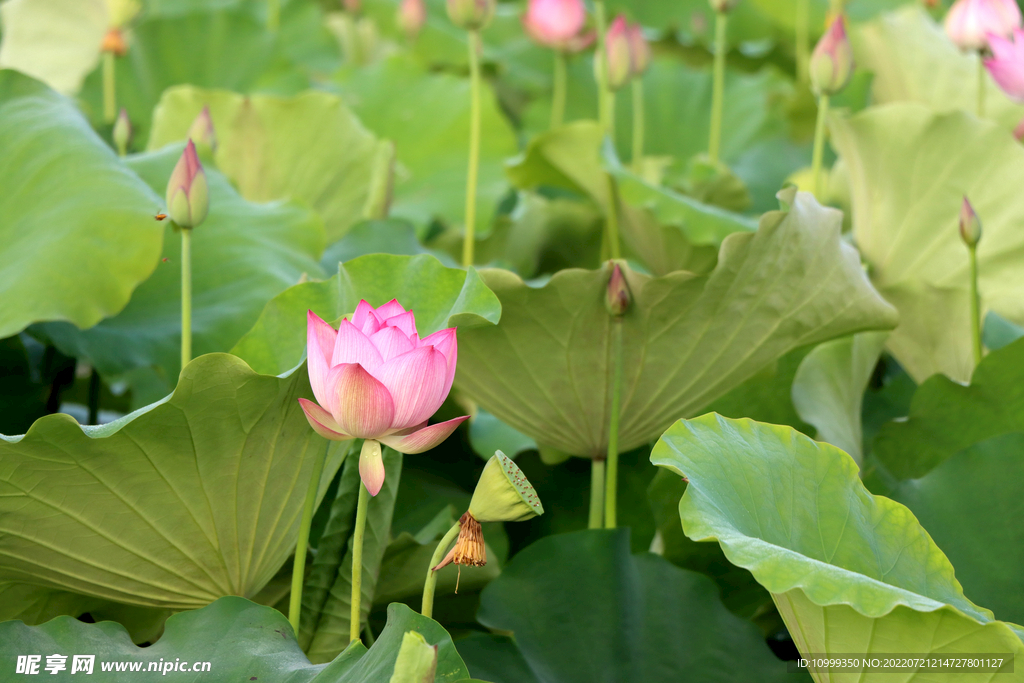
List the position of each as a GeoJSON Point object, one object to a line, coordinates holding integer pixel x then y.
{"type": "Point", "coordinates": [811, 459]}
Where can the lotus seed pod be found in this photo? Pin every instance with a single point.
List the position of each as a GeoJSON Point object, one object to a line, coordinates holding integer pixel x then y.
{"type": "Point", "coordinates": [114, 42]}
{"type": "Point", "coordinates": [417, 661]}
{"type": "Point", "coordinates": [970, 225]}
{"type": "Point", "coordinates": [469, 550]}
{"type": "Point", "coordinates": [503, 493]}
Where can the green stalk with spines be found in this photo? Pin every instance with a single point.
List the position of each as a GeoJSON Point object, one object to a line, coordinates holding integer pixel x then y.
{"type": "Point", "coordinates": [430, 585]}
{"type": "Point", "coordinates": [595, 520]}
{"type": "Point", "coordinates": [803, 41]}
{"type": "Point", "coordinates": [358, 534]}
{"type": "Point", "coordinates": [558, 94]}
{"type": "Point", "coordinates": [299, 564]}
{"type": "Point", "coordinates": [469, 243]}
{"type": "Point", "coordinates": [109, 87]}
{"type": "Point", "coordinates": [612, 475]}
{"type": "Point", "coordinates": [975, 306]}
{"type": "Point", "coordinates": [718, 86]}
{"type": "Point", "coordinates": [820, 129]}
{"type": "Point", "coordinates": [186, 296]}
{"type": "Point", "coordinates": [638, 125]}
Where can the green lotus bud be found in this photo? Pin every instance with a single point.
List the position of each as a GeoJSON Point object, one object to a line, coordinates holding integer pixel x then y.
{"type": "Point", "coordinates": [417, 661]}
{"type": "Point", "coordinates": [617, 299]}
{"type": "Point", "coordinates": [188, 196]}
{"type": "Point", "coordinates": [723, 6]}
{"type": "Point", "coordinates": [970, 225]}
{"type": "Point", "coordinates": [122, 133]}
{"type": "Point", "coordinates": [832, 61]}
{"type": "Point", "coordinates": [471, 15]}
{"type": "Point", "coordinates": [202, 133]}
{"type": "Point", "coordinates": [503, 493]}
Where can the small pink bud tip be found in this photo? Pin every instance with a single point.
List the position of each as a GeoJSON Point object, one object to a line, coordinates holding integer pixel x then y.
{"type": "Point", "coordinates": [412, 16]}
{"type": "Point", "coordinates": [188, 197]}
{"type": "Point", "coordinates": [618, 298]}
{"type": "Point", "coordinates": [202, 132]}
{"type": "Point", "coordinates": [1007, 63]}
{"type": "Point", "coordinates": [832, 60]}
{"type": "Point", "coordinates": [618, 56]}
{"type": "Point", "coordinates": [970, 224]}
{"type": "Point", "coordinates": [471, 15]}
{"type": "Point", "coordinates": [969, 22]}
{"type": "Point", "coordinates": [639, 50]}
{"type": "Point", "coordinates": [555, 23]}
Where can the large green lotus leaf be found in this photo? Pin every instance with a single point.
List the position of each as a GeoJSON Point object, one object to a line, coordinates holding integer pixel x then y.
{"type": "Point", "coordinates": [544, 369]}
{"type": "Point", "coordinates": [581, 608]}
{"type": "Point", "coordinates": [309, 147]}
{"type": "Point", "coordinates": [243, 255]}
{"type": "Point", "coordinates": [849, 571]}
{"type": "Point", "coordinates": [77, 233]}
{"type": "Point", "coordinates": [913, 60]}
{"type": "Point", "coordinates": [828, 389]}
{"type": "Point", "coordinates": [429, 124]}
{"type": "Point", "coordinates": [329, 626]}
{"type": "Point", "coordinates": [923, 163]}
{"type": "Point", "coordinates": [439, 297]}
{"type": "Point", "coordinates": [189, 499]}
{"type": "Point", "coordinates": [966, 504]}
{"type": "Point", "coordinates": [946, 416]}
{"type": "Point", "coordinates": [239, 639]}
{"type": "Point", "coordinates": [56, 41]}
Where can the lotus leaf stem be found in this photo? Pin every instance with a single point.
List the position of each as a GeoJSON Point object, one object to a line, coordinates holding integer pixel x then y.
{"type": "Point", "coordinates": [299, 566]}
{"type": "Point", "coordinates": [186, 296]}
{"type": "Point", "coordinates": [109, 88]}
{"type": "Point", "coordinates": [596, 517]}
{"type": "Point", "coordinates": [474, 148]}
{"type": "Point", "coordinates": [612, 479]}
{"type": "Point", "coordinates": [604, 102]}
{"type": "Point", "coordinates": [558, 95]}
{"type": "Point", "coordinates": [638, 125]}
{"type": "Point", "coordinates": [819, 144]}
{"type": "Point", "coordinates": [803, 40]}
{"type": "Point", "coordinates": [981, 86]}
{"type": "Point", "coordinates": [975, 306]}
{"type": "Point", "coordinates": [718, 86]}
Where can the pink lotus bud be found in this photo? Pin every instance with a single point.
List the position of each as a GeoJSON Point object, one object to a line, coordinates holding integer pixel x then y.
{"type": "Point", "coordinates": [618, 297]}
{"type": "Point", "coordinates": [832, 61]}
{"type": "Point", "coordinates": [353, 6]}
{"type": "Point", "coordinates": [1007, 63]}
{"type": "Point", "coordinates": [723, 6]}
{"type": "Point", "coordinates": [970, 225]}
{"type": "Point", "coordinates": [969, 22]}
{"type": "Point", "coordinates": [639, 50]}
{"type": "Point", "coordinates": [412, 15]}
{"type": "Point", "coordinates": [122, 133]}
{"type": "Point", "coordinates": [202, 133]}
{"type": "Point", "coordinates": [374, 378]}
{"type": "Point", "coordinates": [471, 15]}
{"type": "Point", "coordinates": [554, 23]}
{"type": "Point", "coordinates": [618, 57]}
{"type": "Point", "coordinates": [188, 196]}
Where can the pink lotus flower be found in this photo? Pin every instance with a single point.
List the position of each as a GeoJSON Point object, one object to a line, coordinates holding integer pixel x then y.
{"type": "Point", "coordinates": [1007, 63]}
{"type": "Point", "coordinates": [555, 23]}
{"type": "Point", "coordinates": [969, 22]}
{"type": "Point", "coordinates": [374, 378]}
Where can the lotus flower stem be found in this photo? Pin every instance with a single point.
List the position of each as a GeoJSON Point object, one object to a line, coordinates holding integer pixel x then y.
{"type": "Point", "coordinates": [273, 14]}
{"type": "Point", "coordinates": [605, 104]}
{"type": "Point", "coordinates": [612, 480]}
{"type": "Point", "coordinates": [803, 40]}
{"type": "Point", "coordinates": [357, 559]}
{"type": "Point", "coordinates": [427, 609]}
{"type": "Point", "coordinates": [819, 144]}
{"type": "Point", "coordinates": [638, 125]}
{"type": "Point", "coordinates": [299, 566]}
{"type": "Point", "coordinates": [981, 86]}
{"type": "Point", "coordinates": [474, 147]}
{"type": "Point", "coordinates": [718, 86]}
{"type": "Point", "coordinates": [975, 306]}
{"type": "Point", "coordinates": [94, 397]}
{"type": "Point", "coordinates": [558, 94]}
{"type": "Point", "coordinates": [109, 88]}
{"type": "Point", "coordinates": [186, 296]}
{"type": "Point", "coordinates": [596, 518]}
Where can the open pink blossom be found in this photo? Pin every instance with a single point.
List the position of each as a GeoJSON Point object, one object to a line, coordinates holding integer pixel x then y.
{"type": "Point", "coordinates": [1007, 63]}
{"type": "Point", "coordinates": [554, 23]}
{"type": "Point", "coordinates": [969, 22]}
{"type": "Point", "coordinates": [374, 378]}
